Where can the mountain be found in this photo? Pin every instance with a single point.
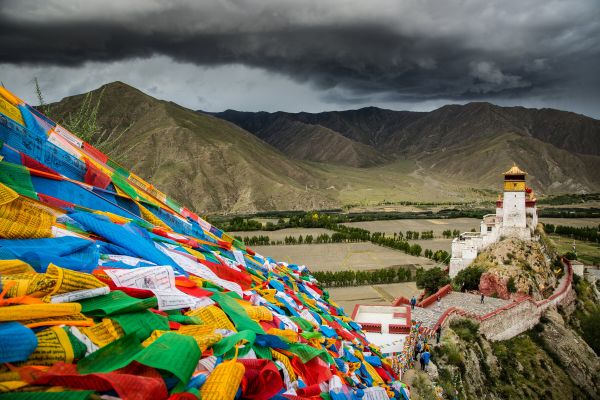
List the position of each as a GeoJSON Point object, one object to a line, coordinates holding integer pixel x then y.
{"type": "Point", "coordinates": [200, 160]}
{"type": "Point", "coordinates": [301, 139]}
{"type": "Point", "coordinates": [472, 142]}
{"type": "Point", "coordinates": [242, 162]}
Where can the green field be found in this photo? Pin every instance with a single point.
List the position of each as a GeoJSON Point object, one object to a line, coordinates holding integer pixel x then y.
{"type": "Point", "coordinates": [587, 252]}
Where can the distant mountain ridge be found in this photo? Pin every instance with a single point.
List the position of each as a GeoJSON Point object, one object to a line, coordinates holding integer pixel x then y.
{"type": "Point", "coordinates": [560, 149]}
{"type": "Point", "coordinates": [239, 162]}
{"type": "Point", "coordinates": [405, 132]}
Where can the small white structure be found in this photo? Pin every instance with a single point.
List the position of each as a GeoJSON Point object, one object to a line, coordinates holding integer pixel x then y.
{"type": "Point", "coordinates": [516, 216]}
{"type": "Point", "coordinates": [384, 326]}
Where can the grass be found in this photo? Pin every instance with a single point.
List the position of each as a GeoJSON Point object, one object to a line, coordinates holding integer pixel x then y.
{"type": "Point", "coordinates": [586, 318]}
{"type": "Point", "coordinates": [422, 387]}
{"type": "Point", "coordinates": [587, 252]}
{"type": "Point", "coordinates": [393, 183]}
{"type": "Point", "coordinates": [466, 329]}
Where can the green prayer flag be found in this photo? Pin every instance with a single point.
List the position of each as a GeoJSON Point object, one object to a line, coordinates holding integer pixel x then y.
{"type": "Point", "coordinates": [306, 352]}
{"type": "Point", "coordinates": [185, 319]}
{"type": "Point", "coordinates": [344, 324]}
{"type": "Point", "coordinates": [263, 352]}
{"type": "Point", "coordinates": [226, 344]}
{"type": "Point", "coordinates": [172, 352]}
{"type": "Point", "coordinates": [326, 316]}
{"type": "Point", "coordinates": [178, 354]}
{"type": "Point", "coordinates": [113, 356]}
{"type": "Point", "coordinates": [17, 177]}
{"type": "Point", "coordinates": [121, 183]}
{"type": "Point", "coordinates": [142, 323]}
{"type": "Point", "coordinates": [78, 346]}
{"type": "Point", "coordinates": [311, 335]}
{"type": "Point", "coordinates": [115, 302]}
{"type": "Point", "coordinates": [303, 324]}
{"type": "Point", "coordinates": [237, 313]}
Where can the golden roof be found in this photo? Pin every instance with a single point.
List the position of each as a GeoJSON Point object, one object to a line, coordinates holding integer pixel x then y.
{"type": "Point", "coordinates": [514, 170]}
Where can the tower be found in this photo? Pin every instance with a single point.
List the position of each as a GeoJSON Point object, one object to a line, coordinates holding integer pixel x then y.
{"type": "Point", "coordinates": [514, 217]}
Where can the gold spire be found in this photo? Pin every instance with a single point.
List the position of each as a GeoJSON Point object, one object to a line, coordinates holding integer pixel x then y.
{"type": "Point", "coordinates": [514, 170]}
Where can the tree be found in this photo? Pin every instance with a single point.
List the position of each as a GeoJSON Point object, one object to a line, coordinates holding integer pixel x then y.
{"type": "Point", "coordinates": [469, 277]}
{"type": "Point", "coordinates": [415, 250]}
{"type": "Point", "coordinates": [431, 280]}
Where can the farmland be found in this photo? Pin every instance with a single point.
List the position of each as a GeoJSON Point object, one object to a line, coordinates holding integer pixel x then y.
{"type": "Point", "coordinates": [342, 256]}
{"type": "Point", "coordinates": [280, 234]}
{"type": "Point", "coordinates": [578, 222]}
{"type": "Point", "coordinates": [347, 297]}
{"type": "Point", "coordinates": [419, 225]}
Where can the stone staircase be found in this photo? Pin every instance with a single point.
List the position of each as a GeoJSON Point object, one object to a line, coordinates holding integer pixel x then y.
{"type": "Point", "coordinates": [470, 303]}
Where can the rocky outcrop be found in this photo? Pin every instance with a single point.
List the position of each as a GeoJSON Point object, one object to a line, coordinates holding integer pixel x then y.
{"type": "Point", "coordinates": [577, 358]}
{"type": "Point", "coordinates": [516, 266]}
{"type": "Point", "coordinates": [492, 284]}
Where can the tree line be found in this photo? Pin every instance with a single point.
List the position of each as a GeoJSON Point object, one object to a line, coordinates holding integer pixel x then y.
{"type": "Point", "coordinates": [324, 219]}
{"type": "Point", "coordinates": [585, 233]}
{"type": "Point", "coordinates": [363, 277]}
{"type": "Point", "coordinates": [345, 234]}
{"type": "Point", "coordinates": [447, 234]}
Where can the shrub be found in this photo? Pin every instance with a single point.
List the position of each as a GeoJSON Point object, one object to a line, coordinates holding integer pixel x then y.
{"type": "Point", "coordinates": [432, 279]}
{"type": "Point", "coordinates": [511, 286]}
{"type": "Point", "coordinates": [469, 277]}
{"type": "Point", "coordinates": [465, 329]}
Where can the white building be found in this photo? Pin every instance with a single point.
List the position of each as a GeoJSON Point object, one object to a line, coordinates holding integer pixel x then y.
{"type": "Point", "coordinates": [516, 216]}
{"type": "Point", "coordinates": [384, 326]}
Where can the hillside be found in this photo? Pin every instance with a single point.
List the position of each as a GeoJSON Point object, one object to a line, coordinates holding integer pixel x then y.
{"type": "Point", "coordinates": [309, 142]}
{"type": "Point", "coordinates": [560, 150]}
{"type": "Point", "coordinates": [200, 160]}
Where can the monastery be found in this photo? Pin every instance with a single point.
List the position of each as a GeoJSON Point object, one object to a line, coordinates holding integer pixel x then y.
{"type": "Point", "coordinates": [516, 216]}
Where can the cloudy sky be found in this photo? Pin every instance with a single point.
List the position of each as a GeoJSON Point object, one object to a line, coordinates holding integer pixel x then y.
{"type": "Point", "coordinates": [309, 55]}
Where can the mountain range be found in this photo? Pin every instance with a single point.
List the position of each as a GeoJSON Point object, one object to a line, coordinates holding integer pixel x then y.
{"type": "Point", "coordinates": [239, 162]}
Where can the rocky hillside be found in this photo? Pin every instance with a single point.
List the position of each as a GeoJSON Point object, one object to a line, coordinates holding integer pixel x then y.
{"type": "Point", "coordinates": [549, 362]}
{"type": "Point", "coordinates": [557, 359]}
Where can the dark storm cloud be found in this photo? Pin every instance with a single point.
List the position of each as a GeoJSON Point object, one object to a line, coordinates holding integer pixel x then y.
{"type": "Point", "coordinates": [405, 51]}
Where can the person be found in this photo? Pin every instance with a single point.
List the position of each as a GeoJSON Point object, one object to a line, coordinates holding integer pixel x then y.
{"type": "Point", "coordinates": [439, 303]}
{"type": "Point", "coordinates": [438, 334]}
{"type": "Point", "coordinates": [422, 362]}
{"type": "Point", "coordinates": [482, 298]}
{"type": "Point", "coordinates": [425, 357]}
{"type": "Point", "coordinates": [418, 349]}
{"type": "Point", "coordinates": [426, 347]}
{"type": "Point", "coordinates": [413, 303]}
